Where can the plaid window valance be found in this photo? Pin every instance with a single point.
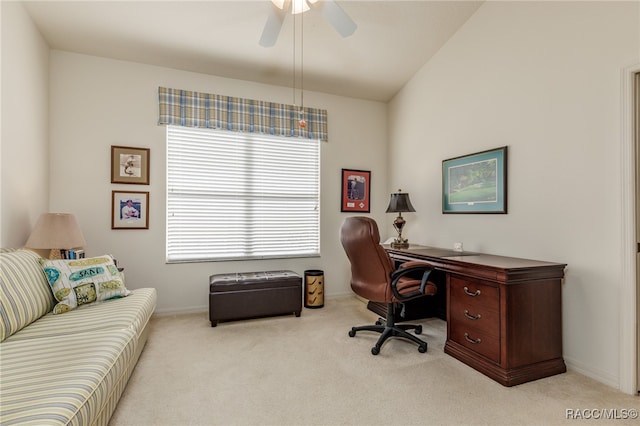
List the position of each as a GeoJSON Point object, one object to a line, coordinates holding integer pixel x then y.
{"type": "Point", "coordinates": [194, 109]}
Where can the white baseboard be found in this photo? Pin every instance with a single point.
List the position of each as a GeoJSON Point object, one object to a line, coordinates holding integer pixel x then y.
{"type": "Point", "coordinates": [594, 373]}
{"type": "Point", "coordinates": [340, 296]}
{"type": "Point", "coordinates": [181, 311]}
{"type": "Point", "coordinates": [204, 309]}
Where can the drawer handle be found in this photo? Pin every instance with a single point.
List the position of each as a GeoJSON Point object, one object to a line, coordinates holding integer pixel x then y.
{"type": "Point", "coordinates": [468, 293]}
{"type": "Point", "coordinates": [472, 317]}
{"type": "Point", "coordinates": [470, 340]}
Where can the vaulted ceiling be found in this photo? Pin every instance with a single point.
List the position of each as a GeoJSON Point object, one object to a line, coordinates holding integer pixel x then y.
{"type": "Point", "coordinates": [393, 39]}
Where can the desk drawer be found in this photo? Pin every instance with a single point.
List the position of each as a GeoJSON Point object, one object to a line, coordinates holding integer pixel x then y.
{"type": "Point", "coordinates": [476, 305]}
{"type": "Point", "coordinates": [474, 293]}
{"type": "Point", "coordinates": [476, 340]}
{"type": "Point", "coordinates": [474, 316]}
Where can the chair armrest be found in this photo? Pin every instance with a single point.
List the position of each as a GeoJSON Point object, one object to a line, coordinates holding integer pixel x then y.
{"type": "Point", "coordinates": [415, 263]}
{"type": "Point", "coordinates": [406, 269]}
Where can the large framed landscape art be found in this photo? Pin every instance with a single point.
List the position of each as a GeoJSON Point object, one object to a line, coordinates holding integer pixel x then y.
{"type": "Point", "coordinates": [475, 183]}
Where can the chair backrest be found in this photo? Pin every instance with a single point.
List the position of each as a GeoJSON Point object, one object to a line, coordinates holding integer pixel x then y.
{"type": "Point", "coordinates": [371, 266]}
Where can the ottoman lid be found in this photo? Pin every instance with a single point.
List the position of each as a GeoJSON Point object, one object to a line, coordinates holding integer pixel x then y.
{"type": "Point", "coordinates": [252, 280]}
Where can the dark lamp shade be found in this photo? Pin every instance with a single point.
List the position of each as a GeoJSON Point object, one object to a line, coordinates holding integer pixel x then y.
{"type": "Point", "coordinates": [400, 203]}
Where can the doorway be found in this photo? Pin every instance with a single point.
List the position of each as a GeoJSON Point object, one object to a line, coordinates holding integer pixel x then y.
{"type": "Point", "coordinates": [629, 372]}
{"type": "Point", "coordinates": [636, 143]}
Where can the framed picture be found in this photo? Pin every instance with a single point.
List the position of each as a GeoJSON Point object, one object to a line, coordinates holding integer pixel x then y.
{"type": "Point", "coordinates": [130, 165]}
{"type": "Point", "coordinates": [129, 210]}
{"type": "Point", "coordinates": [356, 191]}
{"type": "Point", "coordinates": [475, 183]}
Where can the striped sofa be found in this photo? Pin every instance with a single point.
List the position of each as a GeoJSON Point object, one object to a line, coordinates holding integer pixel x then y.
{"type": "Point", "coordinates": [70, 368]}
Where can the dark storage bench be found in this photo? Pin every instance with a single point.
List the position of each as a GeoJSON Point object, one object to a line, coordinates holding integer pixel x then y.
{"type": "Point", "coordinates": [254, 294]}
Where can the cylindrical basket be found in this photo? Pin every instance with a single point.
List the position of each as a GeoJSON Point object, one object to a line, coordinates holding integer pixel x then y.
{"type": "Point", "coordinates": [313, 288]}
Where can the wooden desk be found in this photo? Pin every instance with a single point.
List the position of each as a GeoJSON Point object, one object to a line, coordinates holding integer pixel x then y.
{"type": "Point", "coordinates": [504, 314]}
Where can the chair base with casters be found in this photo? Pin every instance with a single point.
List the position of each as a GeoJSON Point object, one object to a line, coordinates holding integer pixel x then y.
{"type": "Point", "coordinates": [388, 328]}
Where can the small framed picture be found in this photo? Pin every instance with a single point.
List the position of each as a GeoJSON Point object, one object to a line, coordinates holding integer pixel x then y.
{"type": "Point", "coordinates": [475, 183]}
{"type": "Point", "coordinates": [130, 165]}
{"type": "Point", "coordinates": [129, 210]}
{"type": "Point", "coordinates": [356, 191]}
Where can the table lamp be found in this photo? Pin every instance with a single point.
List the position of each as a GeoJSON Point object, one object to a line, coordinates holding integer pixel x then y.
{"type": "Point", "coordinates": [56, 231]}
{"type": "Point", "coordinates": [399, 203]}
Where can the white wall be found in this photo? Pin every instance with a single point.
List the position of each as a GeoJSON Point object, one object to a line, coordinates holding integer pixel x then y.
{"type": "Point", "coordinates": [543, 78]}
{"type": "Point", "coordinates": [24, 167]}
{"type": "Point", "coordinates": [97, 102]}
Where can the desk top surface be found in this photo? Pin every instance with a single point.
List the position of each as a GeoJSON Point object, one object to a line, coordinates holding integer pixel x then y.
{"type": "Point", "coordinates": [477, 259]}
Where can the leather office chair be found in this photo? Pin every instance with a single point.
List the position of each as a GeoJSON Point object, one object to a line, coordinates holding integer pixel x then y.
{"type": "Point", "coordinates": [374, 277]}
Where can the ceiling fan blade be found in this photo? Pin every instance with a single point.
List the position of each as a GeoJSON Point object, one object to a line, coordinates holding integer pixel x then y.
{"type": "Point", "coordinates": [337, 17]}
{"type": "Point", "coordinates": [274, 24]}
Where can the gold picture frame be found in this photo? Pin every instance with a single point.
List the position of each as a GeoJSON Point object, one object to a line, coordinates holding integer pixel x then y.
{"type": "Point", "coordinates": [130, 165]}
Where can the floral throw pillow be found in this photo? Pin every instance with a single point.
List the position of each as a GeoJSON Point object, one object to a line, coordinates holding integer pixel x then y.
{"type": "Point", "coordinates": [83, 281]}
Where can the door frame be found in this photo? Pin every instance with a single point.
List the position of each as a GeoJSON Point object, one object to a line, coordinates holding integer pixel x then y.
{"type": "Point", "coordinates": [629, 339]}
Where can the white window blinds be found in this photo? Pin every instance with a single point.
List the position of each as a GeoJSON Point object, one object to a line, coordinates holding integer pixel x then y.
{"type": "Point", "coordinates": [241, 195]}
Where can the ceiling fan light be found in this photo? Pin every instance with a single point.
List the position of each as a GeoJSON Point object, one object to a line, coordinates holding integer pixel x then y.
{"type": "Point", "coordinates": [278, 3]}
{"type": "Point", "coordinates": [299, 6]}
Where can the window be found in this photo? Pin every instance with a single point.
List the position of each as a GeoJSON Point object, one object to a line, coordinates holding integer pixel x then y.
{"type": "Point", "coordinates": [233, 195]}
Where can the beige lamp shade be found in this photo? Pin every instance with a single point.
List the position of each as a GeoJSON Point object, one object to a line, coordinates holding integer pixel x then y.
{"type": "Point", "coordinates": [55, 231]}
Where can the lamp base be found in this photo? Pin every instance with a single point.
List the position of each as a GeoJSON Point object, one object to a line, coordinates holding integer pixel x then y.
{"type": "Point", "coordinates": [55, 254]}
{"type": "Point", "coordinates": [401, 243]}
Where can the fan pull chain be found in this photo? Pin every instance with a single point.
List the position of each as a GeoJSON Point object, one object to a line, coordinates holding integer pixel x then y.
{"type": "Point", "coordinates": [302, 123]}
{"type": "Point", "coordinates": [294, 59]}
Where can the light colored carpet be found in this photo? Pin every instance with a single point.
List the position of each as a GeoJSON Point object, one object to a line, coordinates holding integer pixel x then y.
{"type": "Point", "coordinates": [308, 371]}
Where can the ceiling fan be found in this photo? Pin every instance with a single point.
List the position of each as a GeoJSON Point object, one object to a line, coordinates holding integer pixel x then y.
{"type": "Point", "coordinates": [329, 9]}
